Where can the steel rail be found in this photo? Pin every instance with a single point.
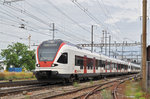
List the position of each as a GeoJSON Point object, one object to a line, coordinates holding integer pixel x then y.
{"type": "Point", "coordinates": [18, 83]}
{"type": "Point", "coordinates": [81, 89]}
{"type": "Point", "coordinates": [29, 88]}
{"type": "Point", "coordinates": [97, 88]}
{"type": "Point", "coordinates": [114, 92]}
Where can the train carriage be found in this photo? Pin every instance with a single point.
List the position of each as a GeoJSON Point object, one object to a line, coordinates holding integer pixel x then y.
{"type": "Point", "coordinates": [58, 60]}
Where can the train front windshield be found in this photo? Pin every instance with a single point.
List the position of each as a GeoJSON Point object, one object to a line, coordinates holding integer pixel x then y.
{"type": "Point", "coordinates": [47, 51]}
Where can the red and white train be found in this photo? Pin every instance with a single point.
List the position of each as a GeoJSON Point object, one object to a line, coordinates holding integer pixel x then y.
{"type": "Point", "coordinates": [58, 60]}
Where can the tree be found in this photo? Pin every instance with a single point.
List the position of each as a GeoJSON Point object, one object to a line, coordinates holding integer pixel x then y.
{"type": "Point", "coordinates": [1, 67]}
{"type": "Point", "coordinates": [18, 55]}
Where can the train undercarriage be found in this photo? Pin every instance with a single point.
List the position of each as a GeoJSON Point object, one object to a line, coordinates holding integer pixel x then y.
{"type": "Point", "coordinates": [54, 76]}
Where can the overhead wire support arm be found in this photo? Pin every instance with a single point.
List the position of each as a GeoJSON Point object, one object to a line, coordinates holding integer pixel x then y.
{"type": "Point", "coordinates": [111, 44]}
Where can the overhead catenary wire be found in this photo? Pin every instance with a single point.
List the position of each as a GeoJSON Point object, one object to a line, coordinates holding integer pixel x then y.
{"type": "Point", "coordinates": [89, 14]}
{"type": "Point", "coordinates": [21, 20]}
{"type": "Point", "coordinates": [26, 13]}
{"type": "Point", "coordinates": [63, 13]}
{"type": "Point", "coordinates": [16, 36]}
{"type": "Point", "coordinates": [68, 30]}
{"type": "Point", "coordinates": [59, 26]}
{"type": "Point", "coordinates": [32, 30]}
{"type": "Point", "coordinates": [108, 14]}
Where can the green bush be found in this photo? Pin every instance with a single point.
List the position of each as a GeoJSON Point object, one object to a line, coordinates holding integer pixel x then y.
{"type": "Point", "coordinates": [138, 95]}
{"type": "Point", "coordinates": [142, 98]}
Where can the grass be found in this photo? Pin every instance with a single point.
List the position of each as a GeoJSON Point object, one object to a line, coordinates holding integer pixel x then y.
{"type": "Point", "coordinates": [106, 94]}
{"type": "Point", "coordinates": [16, 75]}
{"type": "Point", "coordinates": [133, 89]}
{"type": "Point", "coordinates": [91, 82]}
{"type": "Point", "coordinates": [75, 84]}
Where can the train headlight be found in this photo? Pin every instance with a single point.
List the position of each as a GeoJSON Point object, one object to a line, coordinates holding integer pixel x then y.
{"type": "Point", "coordinates": [37, 65]}
{"type": "Point", "coordinates": [53, 65]}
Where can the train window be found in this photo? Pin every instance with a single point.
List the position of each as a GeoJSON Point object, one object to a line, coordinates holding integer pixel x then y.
{"type": "Point", "coordinates": [79, 61]}
{"type": "Point", "coordinates": [107, 66]}
{"type": "Point", "coordinates": [99, 63]}
{"type": "Point", "coordinates": [90, 63]}
{"type": "Point", "coordinates": [88, 67]}
{"type": "Point", "coordinates": [132, 68]}
{"type": "Point", "coordinates": [126, 67]}
{"type": "Point", "coordinates": [63, 58]}
{"type": "Point", "coordinates": [103, 64]}
{"type": "Point", "coordinates": [96, 64]}
{"type": "Point", "coordinates": [119, 66]}
{"type": "Point", "coordinates": [115, 65]}
{"type": "Point", "coordinates": [111, 65]}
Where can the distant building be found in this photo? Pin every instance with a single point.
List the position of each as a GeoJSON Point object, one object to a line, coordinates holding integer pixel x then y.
{"type": "Point", "coordinates": [2, 66]}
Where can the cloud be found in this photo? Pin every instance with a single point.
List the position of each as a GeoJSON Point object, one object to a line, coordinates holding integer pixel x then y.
{"type": "Point", "coordinates": [128, 16]}
{"type": "Point", "coordinates": [124, 4]}
{"type": "Point", "coordinates": [122, 11]}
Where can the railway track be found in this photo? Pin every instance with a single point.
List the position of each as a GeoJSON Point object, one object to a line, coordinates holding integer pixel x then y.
{"type": "Point", "coordinates": [85, 93]}
{"type": "Point", "coordinates": [18, 83]}
{"type": "Point", "coordinates": [28, 88]}
{"type": "Point", "coordinates": [54, 90]}
{"type": "Point", "coordinates": [103, 86]}
{"type": "Point", "coordinates": [115, 91]}
{"type": "Point", "coordinates": [82, 93]}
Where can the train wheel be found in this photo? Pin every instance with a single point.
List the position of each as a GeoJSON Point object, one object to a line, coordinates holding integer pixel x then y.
{"type": "Point", "coordinates": [65, 81]}
{"type": "Point", "coordinates": [72, 79]}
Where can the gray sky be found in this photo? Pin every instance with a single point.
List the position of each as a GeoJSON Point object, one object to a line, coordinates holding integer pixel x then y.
{"type": "Point", "coordinates": [72, 18]}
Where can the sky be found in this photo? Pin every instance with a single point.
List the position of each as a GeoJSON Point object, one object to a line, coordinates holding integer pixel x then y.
{"type": "Point", "coordinates": [73, 20]}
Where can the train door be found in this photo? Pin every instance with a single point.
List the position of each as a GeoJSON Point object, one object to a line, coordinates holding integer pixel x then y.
{"type": "Point", "coordinates": [106, 66]}
{"type": "Point", "coordinates": [117, 67]}
{"type": "Point", "coordinates": [111, 66]}
{"type": "Point", "coordinates": [129, 67]}
{"type": "Point", "coordinates": [94, 63]}
{"type": "Point", "coordinates": [71, 61]}
{"type": "Point", "coordinates": [85, 64]}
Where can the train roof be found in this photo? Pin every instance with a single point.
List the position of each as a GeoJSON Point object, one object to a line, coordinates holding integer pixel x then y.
{"type": "Point", "coordinates": [104, 56]}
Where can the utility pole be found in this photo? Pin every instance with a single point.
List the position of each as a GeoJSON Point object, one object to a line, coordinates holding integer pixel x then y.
{"type": "Point", "coordinates": [53, 29]}
{"type": "Point", "coordinates": [105, 42]}
{"type": "Point", "coordinates": [144, 81]}
{"type": "Point", "coordinates": [122, 50]}
{"type": "Point", "coordinates": [92, 38]}
{"type": "Point", "coordinates": [102, 41]}
{"type": "Point", "coordinates": [53, 25]}
{"type": "Point", "coordinates": [109, 44]}
{"type": "Point", "coordinates": [105, 32]}
{"type": "Point", "coordinates": [29, 38]}
{"type": "Point", "coordinates": [116, 50]}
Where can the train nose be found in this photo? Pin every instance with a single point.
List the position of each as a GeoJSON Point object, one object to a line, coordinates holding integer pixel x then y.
{"type": "Point", "coordinates": [45, 63]}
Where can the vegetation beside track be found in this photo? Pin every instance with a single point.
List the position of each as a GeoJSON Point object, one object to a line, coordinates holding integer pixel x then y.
{"type": "Point", "coordinates": [106, 94]}
{"type": "Point", "coordinates": [16, 75]}
{"type": "Point", "coordinates": [133, 90]}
